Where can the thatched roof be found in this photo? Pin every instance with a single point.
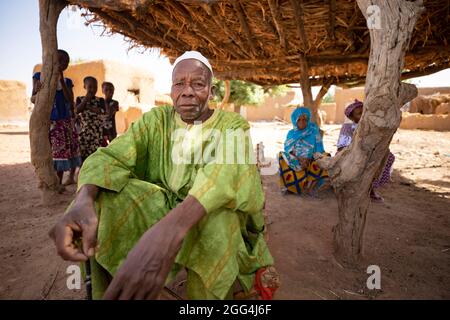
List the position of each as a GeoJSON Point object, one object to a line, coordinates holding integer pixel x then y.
{"type": "Point", "coordinates": [261, 40]}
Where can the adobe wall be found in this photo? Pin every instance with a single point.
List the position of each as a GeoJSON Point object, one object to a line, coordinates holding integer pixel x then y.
{"type": "Point", "coordinates": [77, 72]}
{"type": "Point", "coordinates": [14, 103]}
{"type": "Point", "coordinates": [438, 122]}
{"type": "Point", "coordinates": [272, 107]}
{"type": "Point", "coordinates": [126, 80]}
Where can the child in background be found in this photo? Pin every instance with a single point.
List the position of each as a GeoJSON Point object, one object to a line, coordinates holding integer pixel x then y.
{"type": "Point", "coordinates": [62, 134]}
{"type": "Point", "coordinates": [112, 106]}
{"type": "Point", "coordinates": [92, 114]}
{"type": "Point", "coordinates": [354, 112]}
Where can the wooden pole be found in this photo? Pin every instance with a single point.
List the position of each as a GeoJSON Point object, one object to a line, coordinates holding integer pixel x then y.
{"type": "Point", "coordinates": [353, 170]}
{"type": "Point", "coordinates": [226, 97]}
{"type": "Point", "coordinates": [41, 156]}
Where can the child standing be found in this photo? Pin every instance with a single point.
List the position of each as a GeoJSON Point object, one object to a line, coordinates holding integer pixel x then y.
{"type": "Point", "coordinates": [112, 106]}
{"type": "Point", "coordinates": [92, 114]}
{"type": "Point", "coordinates": [62, 134]}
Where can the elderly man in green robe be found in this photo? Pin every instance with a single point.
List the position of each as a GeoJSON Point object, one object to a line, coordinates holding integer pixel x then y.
{"type": "Point", "coordinates": [144, 210]}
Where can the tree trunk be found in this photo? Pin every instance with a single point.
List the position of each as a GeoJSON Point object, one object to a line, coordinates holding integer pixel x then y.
{"type": "Point", "coordinates": [226, 97]}
{"type": "Point", "coordinates": [353, 170]}
{"type": "Point", "coordinates": [318, 100]}
{"type": "Point", "coordinates": [305, 85]}
{"type": "Point", "coordinates": [41, 155]}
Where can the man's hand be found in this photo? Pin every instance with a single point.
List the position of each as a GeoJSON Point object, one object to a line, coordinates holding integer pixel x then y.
{"type": "Point", "coordinates": [79, 222]}
{"type": "Point", "coordinates": [144, 272]}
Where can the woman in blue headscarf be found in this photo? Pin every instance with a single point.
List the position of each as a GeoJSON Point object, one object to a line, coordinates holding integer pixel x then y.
{"type": "Point", "coordinates": [299, 172]}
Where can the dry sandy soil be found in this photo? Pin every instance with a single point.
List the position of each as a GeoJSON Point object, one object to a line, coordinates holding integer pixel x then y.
{"type": "Point", "coordinates": [408, 236]}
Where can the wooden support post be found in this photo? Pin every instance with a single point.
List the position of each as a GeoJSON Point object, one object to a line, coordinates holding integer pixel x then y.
{"type": "Point", "coordinates": [318, 100]}
{"type": "Point", "coordinates": [353, 170]}
{"type": "Point", "coordinates": [41, 154]}
{"type": "Point", "coordinates": [226, 96]}
{"type": "Point", "coordinates": [305, 82]}
{"type": "Point", "coordinates": [305, 85]}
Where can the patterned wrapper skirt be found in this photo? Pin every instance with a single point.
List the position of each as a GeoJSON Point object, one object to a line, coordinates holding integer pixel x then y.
{"type": "Point", "coordinates": [65, 146]}
{"type": "Point", "coordinates": [302, 180]}
{"type": "Point", "coordinates": [91, 133]}
{"type": "Point", "coordinates": [385, 175]}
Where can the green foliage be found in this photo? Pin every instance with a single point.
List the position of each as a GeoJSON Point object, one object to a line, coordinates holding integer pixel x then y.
{"type": "Point", "coordinates": [245, 93]}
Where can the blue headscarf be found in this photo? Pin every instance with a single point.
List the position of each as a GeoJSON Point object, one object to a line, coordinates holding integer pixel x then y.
{"type": "Point", "coordinates": [307, 141]}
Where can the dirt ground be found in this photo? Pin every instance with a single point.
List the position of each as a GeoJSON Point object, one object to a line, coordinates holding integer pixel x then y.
{"type": "Point", "coordinates": [408, 236]}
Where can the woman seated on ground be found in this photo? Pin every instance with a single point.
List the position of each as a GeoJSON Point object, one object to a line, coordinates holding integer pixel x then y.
{"type": "Point", "coordinates": [299, 171]}
{"type": "Point", "coordinates": [354, 113]}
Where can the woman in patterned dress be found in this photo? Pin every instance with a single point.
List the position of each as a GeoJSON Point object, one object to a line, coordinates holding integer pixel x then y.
{"type": "Point", "coordinates": [299, 170]}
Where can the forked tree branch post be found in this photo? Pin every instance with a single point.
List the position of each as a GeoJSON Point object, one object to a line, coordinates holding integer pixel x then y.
{"type": "Point", "coordinates": [353, 170]}
{"type": "Point", "coordinates": [41, 155]}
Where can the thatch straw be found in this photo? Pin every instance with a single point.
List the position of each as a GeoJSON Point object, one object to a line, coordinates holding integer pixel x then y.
{"type": "Point", "coordinates": [260, 41]}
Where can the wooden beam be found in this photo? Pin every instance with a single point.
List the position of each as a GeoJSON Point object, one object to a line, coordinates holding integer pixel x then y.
{"type": "Point", "coordinates": [332, 17]}
{"type": "Point", "coordinates": [217, 18]}
{"type": "Point", "coordinates": [276, 17]}
{"type": "Point", "coordinates": [425, 71]}
{"type": "Point", "coordinates": [244, 24]}
{"type": "Point", "coordinates": [269, 76]}
{"type": "Point", "coordinates": [312, 60]}
{"type": "Point", "coordinates": [268, 23]}
{"type": "Point", "coordinates": [323, 90]}
{"type": "Point", "coordinates": [201, 31]}
{"type": "Point", "coordinates": [139, 34]}
{"type": "Point", "coordinates": [298, 14]}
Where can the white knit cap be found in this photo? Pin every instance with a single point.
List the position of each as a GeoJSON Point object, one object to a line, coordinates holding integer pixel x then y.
{"type": "Point", "coordinates": [193, 55]}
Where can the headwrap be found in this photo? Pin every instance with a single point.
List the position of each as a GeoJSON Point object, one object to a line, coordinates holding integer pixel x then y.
{"type": "Point", "coordinates": [306, 141]}
{"type": "Point", "coordinates": [193, 55]}
{"type": "Point", "coordinates": [348, 111]}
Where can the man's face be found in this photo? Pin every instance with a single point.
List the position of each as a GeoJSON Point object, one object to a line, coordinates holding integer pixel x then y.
{"type": "Point", "coordinates": [191, 89]}
{"type": "Point", "coordinates": [91, 87]}
{"type": "Point", "coordinates": [356, 114]}
{"type": "Point", "coordinates": [108, 91]}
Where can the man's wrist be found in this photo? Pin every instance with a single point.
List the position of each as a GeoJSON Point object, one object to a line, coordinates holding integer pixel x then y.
{"type": "Point", "coordinates": [187, 214]}
{"type": "Point", "coordinates": [87, 193]}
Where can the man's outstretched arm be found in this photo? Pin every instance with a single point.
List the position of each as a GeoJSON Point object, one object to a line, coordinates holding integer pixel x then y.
{"type": "Point", "coordinates": [79, 221]}
{"type": "Point", "coordinates": [145, 270]}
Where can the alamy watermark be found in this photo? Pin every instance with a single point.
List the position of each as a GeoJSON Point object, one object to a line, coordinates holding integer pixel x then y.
{"type": "Point", "coordinates": [73, 280]}
{"type": "Point", "coordinates": [374, 280]}
{"type": "Point", "coordinates": [205, 146]}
